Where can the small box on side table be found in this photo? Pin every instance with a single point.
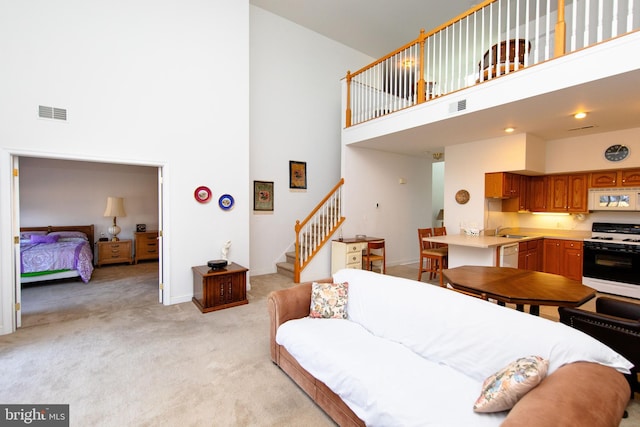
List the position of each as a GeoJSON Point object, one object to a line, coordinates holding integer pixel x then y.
{"type": "Point", "coordinates": [218, 289]}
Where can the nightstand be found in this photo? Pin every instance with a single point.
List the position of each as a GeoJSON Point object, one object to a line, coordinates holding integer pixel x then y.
{"type": "Point", "coordinates": [146, 245]}
{"type": "Point", "coordinates": [117, 252]}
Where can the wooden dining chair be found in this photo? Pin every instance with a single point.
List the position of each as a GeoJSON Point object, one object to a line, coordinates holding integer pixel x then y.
{"type": "Point", "coordinates": [433, 258]}
{"type": "Point", "coordinates": [374, 253]}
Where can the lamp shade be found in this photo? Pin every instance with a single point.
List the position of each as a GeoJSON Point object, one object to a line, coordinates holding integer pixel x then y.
{"type": "Point", "coordinates": [440, 216]}
{"type": "Point", "coordinates": [115, 207]}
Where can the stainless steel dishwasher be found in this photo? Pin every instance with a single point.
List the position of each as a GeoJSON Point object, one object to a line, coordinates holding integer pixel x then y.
{"type": "Point", "coordinates": [509, 255]}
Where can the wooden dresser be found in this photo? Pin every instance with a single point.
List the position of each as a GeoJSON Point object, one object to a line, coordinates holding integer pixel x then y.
{"type": "Point", "coordinates": [117, 252]}
{"type": "Point", "coordinates": [218, 289]}
{"type": "Point", "coordinates": [146, 245]}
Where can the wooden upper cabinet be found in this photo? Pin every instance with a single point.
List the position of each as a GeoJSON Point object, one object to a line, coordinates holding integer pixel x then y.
{"type": "Point", "coordinates": [537, 195]}
{"type": "Point", "coordinates": [615, 178]}
{"type": "Point", "coordinates": [578, 193]}
{"type": "Point", "coordinates": [558, 189]}
{"type": "Point", "coordinates": [501, 185]}
{"type": "Point", "coordinates": [567, 193]}
{"type": "Point", "coordinates": [604, 179]}
{"type": "Point", "coordinates": [630, 178]}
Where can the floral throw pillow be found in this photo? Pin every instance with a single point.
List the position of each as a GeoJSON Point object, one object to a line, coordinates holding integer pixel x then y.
{"type": "Point", "coordinates": [329, 300]}
{"type": "Point", "coordinates": [503, 389]}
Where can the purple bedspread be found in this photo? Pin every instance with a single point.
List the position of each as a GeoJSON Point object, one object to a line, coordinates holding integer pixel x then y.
{"type": "Point", "coordinates": [66, 254]}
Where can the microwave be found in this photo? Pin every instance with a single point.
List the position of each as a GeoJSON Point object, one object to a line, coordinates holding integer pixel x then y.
{"type": "Point", "coordinates": [614, 199]}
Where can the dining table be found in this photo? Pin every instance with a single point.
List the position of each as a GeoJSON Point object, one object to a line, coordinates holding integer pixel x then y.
{"type": "Point", "coordinates": [518, 286]}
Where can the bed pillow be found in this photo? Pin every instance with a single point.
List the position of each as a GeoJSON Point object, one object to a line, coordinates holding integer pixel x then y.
{"type": "Point", "coordinates": [47, 238]}
{"type": "Point", "coordinates": [69, 234]}
{"type": "Point", "coordinates": [26, 235]}
{"type": "Point", "coordinates": [504, 388]}
{"type": "Point", "coordinates": [329, 300]}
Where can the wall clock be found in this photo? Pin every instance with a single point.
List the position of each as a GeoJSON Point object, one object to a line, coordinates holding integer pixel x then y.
{"type": "Point", "coordinates": [616, 152]}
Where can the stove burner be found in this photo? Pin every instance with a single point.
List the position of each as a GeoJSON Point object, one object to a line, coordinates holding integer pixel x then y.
{"type": "Point", "coordinates": [602, 238]}
{"type": "Point", "coordinates": [631, 240]}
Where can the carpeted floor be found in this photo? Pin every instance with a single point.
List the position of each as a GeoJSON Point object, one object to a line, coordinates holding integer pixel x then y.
{"type": "Point", "coordinates": [119, 358]}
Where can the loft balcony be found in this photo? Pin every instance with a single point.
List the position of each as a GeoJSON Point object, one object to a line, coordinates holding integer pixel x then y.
{"type": "Point", "coordinates": [525, 62]}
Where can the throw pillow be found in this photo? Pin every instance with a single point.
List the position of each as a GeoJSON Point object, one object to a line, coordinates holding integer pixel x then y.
{"type": "Point", "coordinates": [329, 300]}
{"type": "Point", "coordinates": [503, 389]}
{"type": "Point", "coordinates": [37, 238]}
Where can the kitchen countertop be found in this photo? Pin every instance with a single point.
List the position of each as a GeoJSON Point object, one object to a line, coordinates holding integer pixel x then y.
{"type": "Point", "coordinates": [483, 241]}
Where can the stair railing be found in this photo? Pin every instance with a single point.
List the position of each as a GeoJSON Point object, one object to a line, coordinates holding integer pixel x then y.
{"type": "Point", "coordinates": [316, 229]}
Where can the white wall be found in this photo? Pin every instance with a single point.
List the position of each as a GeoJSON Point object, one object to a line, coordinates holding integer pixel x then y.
{"type": "Point", "coordinates": [376, 204]}
{"type": "Point", "coordinates": [156, 83]}
{"type": "Point", "coordinates": [64, 192]}
{"type": "Point", "coordinates": [295, 115]}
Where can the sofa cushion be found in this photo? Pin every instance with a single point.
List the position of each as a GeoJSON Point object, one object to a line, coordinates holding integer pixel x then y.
{"type": "Point", "coordinates": [329, 300]}
{"type": "Point", "coordinates": [504, 388]}
{"type": "Point", "coordinates": [383, 382]}
{"type": "Point", "coordinates": [473, 336]}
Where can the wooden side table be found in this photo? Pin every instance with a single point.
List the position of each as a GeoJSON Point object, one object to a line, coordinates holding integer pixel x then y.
{"type": "Point", "coordinates": [117, 252]}
{"type": "Point", "coordinates": [218, 289]}
{"type": "Point", "coordinates": [146, 245]}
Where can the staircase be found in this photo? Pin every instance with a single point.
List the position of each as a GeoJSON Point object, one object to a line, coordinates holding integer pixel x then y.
{"type": "Point", "coordinates": [313, 232]}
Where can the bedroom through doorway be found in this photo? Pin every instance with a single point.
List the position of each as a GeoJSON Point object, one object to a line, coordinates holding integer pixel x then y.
{"type": "Point", "coordinates": [51, 191]}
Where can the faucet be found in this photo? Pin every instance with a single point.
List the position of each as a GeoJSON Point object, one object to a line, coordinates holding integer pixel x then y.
{"type": "Point", "coordinates": [498, 229]}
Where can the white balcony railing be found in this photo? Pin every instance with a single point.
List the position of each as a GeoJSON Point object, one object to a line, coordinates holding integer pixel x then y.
{"type": "Point", "coordinates": [493, 39]}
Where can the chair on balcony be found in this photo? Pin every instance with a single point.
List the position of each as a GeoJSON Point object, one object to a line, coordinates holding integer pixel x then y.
{"type": "Point", "coordinates": [494, 64]}
{"type": "Point", "coordinates": [433, 258]}
{"type": "Point", "coordinates": [616, 323]}
{"type": "Point", "coordinates": [375, 253]}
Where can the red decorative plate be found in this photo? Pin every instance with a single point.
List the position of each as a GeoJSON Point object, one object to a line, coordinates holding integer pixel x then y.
{"type": "Point", "coordinates": [202, 194]}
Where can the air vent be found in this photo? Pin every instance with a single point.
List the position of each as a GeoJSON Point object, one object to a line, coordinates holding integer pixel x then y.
{"type": "Point", "coordinates": [582, 128]}
{"type": "Point", "coordinates": [458, 106]}
{"type": "Point", "coordinates": [52, 113]}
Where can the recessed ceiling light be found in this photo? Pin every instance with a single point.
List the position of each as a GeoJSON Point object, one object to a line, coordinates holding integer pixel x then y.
{"type": "Point", "coordinates": [580, 115]}
{"type": "Point", "coordinates": [509, 129]}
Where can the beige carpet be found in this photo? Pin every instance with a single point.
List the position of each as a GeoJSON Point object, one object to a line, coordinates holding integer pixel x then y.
{"type": "Point", "coordinates": [121, 359]}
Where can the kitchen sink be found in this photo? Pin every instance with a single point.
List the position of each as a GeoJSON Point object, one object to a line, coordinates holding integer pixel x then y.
{"type": "Point", "coordinates": [513, 236]}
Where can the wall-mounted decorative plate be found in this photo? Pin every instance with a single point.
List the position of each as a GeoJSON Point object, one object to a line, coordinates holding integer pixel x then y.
{"type": "Point", "coordinates": [225, 202]}
{"type": "Point", "coordinates": [462, 197]}
{"type": "Point", "coordinates": [202, 194]}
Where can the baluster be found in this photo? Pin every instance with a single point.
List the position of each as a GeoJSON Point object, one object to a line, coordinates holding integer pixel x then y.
{"type": "Point", "coordinates": [614, 21]}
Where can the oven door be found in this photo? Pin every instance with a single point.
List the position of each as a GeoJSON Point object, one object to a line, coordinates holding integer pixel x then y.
{"type": "Point", "coordinates": [612, 261]}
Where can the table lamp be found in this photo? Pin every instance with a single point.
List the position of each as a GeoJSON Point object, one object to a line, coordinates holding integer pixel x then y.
{"type": "Point", "coordinates": [440, 217]}
{"type": "Point", "coordinates": [115, 208]}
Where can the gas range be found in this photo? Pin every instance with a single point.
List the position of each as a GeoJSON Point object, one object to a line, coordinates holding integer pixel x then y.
{"type": "Point", "coordinates": [615, 233]}
{"type": "Point", "coordinates": [611, 261]}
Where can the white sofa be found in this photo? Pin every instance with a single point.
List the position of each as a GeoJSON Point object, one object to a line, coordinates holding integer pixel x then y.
{"type": "Point", "coordinates": [413, 354]}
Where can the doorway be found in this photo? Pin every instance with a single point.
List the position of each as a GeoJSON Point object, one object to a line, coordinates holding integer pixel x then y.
{"type": "Point", "coordinates": [53, 191]}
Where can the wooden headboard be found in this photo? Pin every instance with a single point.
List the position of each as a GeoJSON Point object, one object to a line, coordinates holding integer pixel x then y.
{"type": "Point", "coordinates": [86, 229]}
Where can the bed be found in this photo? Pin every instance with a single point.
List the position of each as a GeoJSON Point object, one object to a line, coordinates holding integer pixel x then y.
{"type": "Point", "coordinates": [56, 252]}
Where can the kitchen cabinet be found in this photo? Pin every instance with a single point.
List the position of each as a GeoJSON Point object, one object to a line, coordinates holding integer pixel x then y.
{"type": "Point", "coordinates": [567, 193]}
{"type": "Point", "coordinates": [630, 178]}
{"type": "Point", "coordinates": [501, 185]}
{"type": "Point", "coordinates": [530, 255]}
{"type": "Point", "coordinates": [563, 257]}
{"type": "Point", "coordinates": [603, 179]}
{"type": "Point", "coordinates": [521, 202]}
{"type": "Point", "coordinates": [537, 196]}
{"type": "Point", "coordinates": [615, 178]}
{"type": "Point", "coordinates": [572, 260]}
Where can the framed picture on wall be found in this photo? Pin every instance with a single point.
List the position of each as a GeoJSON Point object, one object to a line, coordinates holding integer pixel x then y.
{"type": "Point", "coordinates": [297, 175]}
{"type": "Point", "coordinates": [262, 195]}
